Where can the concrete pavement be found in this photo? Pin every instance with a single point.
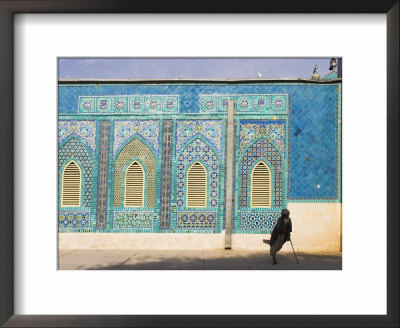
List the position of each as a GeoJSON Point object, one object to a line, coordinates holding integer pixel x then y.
{"type": "Point", "coordinates": [82, 259]}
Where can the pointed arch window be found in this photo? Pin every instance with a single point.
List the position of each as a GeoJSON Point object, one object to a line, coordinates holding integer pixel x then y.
{"type": "Point", "coordinates": [261, 186]}
{"type": "Point", "coordinates": [71, 185]}
{"type": "Point", "coordinates": [134, 185]}
{"type": "Point", "coordinates": [196, 186]}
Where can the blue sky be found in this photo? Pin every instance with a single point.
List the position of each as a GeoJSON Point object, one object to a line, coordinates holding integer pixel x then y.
{"type": "Point", "coordinates": [163, 68]}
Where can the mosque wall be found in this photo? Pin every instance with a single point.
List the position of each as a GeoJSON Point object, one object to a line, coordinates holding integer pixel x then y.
{"type": "Point", "coordinates": [169, 140]}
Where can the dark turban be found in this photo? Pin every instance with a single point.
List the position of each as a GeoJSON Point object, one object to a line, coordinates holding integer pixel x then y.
{"type": "Point", "coordinates": [285, 213]}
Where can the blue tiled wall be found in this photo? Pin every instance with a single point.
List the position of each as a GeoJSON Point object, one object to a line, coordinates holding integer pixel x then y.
{"type": "Point", "coordinates": [314, 134]}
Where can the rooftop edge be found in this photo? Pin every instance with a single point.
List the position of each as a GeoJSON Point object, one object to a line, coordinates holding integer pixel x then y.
{"type": "Point", "coordinates": [227, 81]}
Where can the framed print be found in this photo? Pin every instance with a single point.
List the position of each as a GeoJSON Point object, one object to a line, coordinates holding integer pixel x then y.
{"type": "Point", "coordinates": [176, 132]}
{"type": "Point", "coordinates": [37, 103]}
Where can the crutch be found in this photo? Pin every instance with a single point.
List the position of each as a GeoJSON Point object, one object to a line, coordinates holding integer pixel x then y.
{"type": "Point", "coordinates": [294, 251]}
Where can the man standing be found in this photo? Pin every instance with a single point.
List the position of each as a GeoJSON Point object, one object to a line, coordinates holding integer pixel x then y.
{"type": "Point", "coordinates": [280, 234]}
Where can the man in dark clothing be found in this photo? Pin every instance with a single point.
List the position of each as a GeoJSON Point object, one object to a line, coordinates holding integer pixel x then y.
{"type": "Point", "coordinates": [280, 234]}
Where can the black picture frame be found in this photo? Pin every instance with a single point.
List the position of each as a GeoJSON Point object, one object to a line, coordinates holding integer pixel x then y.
{"type": "Point", "coordinates": [10, 7]}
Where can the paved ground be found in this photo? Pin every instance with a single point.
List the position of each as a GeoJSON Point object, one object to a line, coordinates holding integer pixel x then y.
{"type": "Point", "coordinates": [193, 260]}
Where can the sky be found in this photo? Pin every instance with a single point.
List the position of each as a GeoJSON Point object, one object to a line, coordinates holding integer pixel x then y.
{"type": "Point", "coordinates": [169, 68]}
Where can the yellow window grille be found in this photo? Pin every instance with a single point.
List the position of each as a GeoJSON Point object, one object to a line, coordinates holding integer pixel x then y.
{"type": "Point", "coordinates": [261, 186]}
{"type": "Point", "coordinates": [134, 186]}
{"type": "Point", "coordinates": [196, 186]}
{"type": "Point", "coordinates": [71, 185]}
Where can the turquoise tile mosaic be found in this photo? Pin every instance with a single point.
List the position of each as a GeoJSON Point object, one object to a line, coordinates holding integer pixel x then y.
{"type": "Point", "coordinates": [251, 103]}
{"type": "Point", "coordinates": [133, 219]}
{"type": "Point", "coordinates": [197, 220]}
{"type": "Point", "coordinates": [74, 219]}
{"type": "Point", "coordinates": [75, 150]}
{"type": "Point", "coordinates": [125, 130]}
{"type": "Point", "coordinates": [261, 150]}
{"type": "Point", "coordinates": [104, 141]}
{"type": "Point", "coordinates": [258, 140]}
{"type": "Point", "coordinates": [198, 151]}
{"type": "Point", "coordinates": [313, 124]}
{"type": "Point", "coordinates": [257, 220]}
{"type": "Point", "coordinates": [85, 130]}
{"type": "Point", "coordinates": [138, 104]}
{"type": "Point", "coordinates": [166, 174]}
{"type": "Point", "coordinates": [206, 129]}
{"type": "Point", "coordinates": [293, 127]}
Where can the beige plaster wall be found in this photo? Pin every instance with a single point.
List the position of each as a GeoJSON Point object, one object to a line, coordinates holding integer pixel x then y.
{"type": "Point", "coordinates": [180, 241]}
{"type": "Point", "coordinates": [316, 228]}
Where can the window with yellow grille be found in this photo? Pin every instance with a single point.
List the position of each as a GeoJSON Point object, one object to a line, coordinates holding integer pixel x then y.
{"type": "Point", "coordinates": [196, 193]}
{"type": "Point", "coordinates": [134, 185]}
{"type": "Point", "coordinates": [71, 185]}
{"type": "Point", "coordinates": [261, 186]}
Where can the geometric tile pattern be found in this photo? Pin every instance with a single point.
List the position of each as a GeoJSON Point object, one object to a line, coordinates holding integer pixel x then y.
{"type": "Point", "coordinates": [258, 220]}
{"type": "Point", "coordinates": [73, 218]}
{"type": "Point", "coordinates": [313, 157]}
{"type": "Point", "coordinates": [265, 103]}
{"type": "Point", "coordinates": [138, 104]}
{"type": "Point", "coordinates": [250, 130]}
{"type": "Point", "coordinates": [198, 150]}
{"type": "Point", "coordinates": [124, 130]}
{"type": "Point", "coordinates": [197, 220]}
{"type": "Point", "coordinates": [135, 150]}
{"type": "Point", "coordinates": [166, 174]}
{"type": "Point", "coordinates": [102, 173]}
{"type": "Point", "coordinates": [76, 150]}
{"type": "Point", "coordinates": [210, 130]}
{"type": "Point", "coordinates": [266, 151]}
{"type": "Point", "coordinates": [313, 131]}
{"type": "Point", "coordinates": [132, 220]}
{"type": "Point", "coordinates": [298, 121]}
{"type": "Point", "coordinates": [85, 130]}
